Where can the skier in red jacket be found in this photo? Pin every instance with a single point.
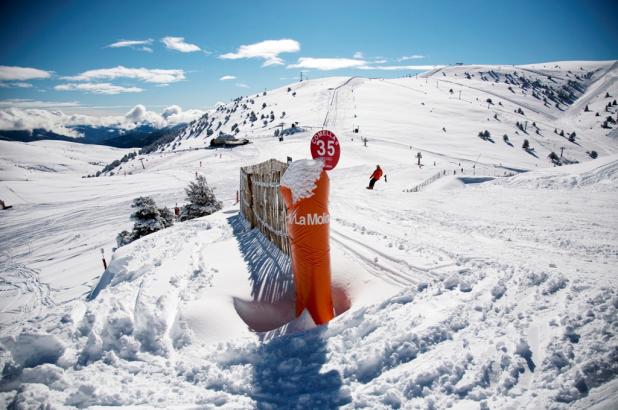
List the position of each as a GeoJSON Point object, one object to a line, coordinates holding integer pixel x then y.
{"type": "Point", "coordinates": [377, 174]}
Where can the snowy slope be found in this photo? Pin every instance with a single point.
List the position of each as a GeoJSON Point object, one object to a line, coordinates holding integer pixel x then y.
{"type": "Point", "coordinates": [412, 112]}
{"type": "Point", "coordinates": [40, 159]}
{"type": "Point", "coordinates": [480, 291]}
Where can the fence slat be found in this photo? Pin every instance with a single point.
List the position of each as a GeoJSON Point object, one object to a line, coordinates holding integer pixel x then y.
{"type": "Point", "coordinates": [261, 203]}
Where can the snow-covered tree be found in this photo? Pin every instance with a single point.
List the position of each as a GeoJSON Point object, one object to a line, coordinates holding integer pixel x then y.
{"type": "Point", "coordinates": [572, 136]}
{"type": "Point", "coordinates": [554, 158]}
{"type": "Point", "coordinates": [485, 135]}
{"type": "Point", "coordinates": [202, 200]}
{"type": "Point", "coordinates": [147, 219]}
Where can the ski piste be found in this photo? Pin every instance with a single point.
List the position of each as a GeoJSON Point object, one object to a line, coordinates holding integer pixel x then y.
{"type": "Point", "coordinates": [478, 276]}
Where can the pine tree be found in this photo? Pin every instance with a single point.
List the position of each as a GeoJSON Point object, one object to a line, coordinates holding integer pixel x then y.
{"type": "Point", "coordinates": [147, 218]}
{"type": "Point", "coordinates": [572, 137]}
{"type": "Point", "coordinates": [526, 145]}
{"type": "Point", "coordinates": [167, 217]}
{"type": "Point", "coordinates": [202, 200]}
{"type": "Point", "coordinates": [554, 158]}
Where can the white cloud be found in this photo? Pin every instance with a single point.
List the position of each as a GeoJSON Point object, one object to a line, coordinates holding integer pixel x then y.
{"type": "Point", "coordinates": [141, 45]}
{"type": "Point", "coordinates": [268, 50]}
{"type": "Point", "coordinates": [15, 118]}
{"type": "Point", "coordinates": [170, 111]}
{"type": "Point", "coordinates": [399, 67]}
{"type": "Point", "coordinates": [149, 75]}
{"type": "Point", "coordinates": [242, 85]}
{"type": "Point", "coordinates": [10, 73]}
{"type": "Point", "coordinates": [29, 119]}
{"type": "Point", "coordinates": [129, 43]}
{"type": "Point", "coordinates": [139, 114]}
{"type": "Point", "coordinates": [325, 64]}
{"type": "Point", "coordinates": [179, 44]}
{"type": "Point", "coordinates": [171, 115]}
{"type": "Point", "coordinates": [273, 61]}
{"type": "Point", "coordinates": [97, 88]}
{"type": "Point", "coordinates": [227, 77]}
{"type": "Point", "coordinates": [359, 55]}
{"type": "Point", "coordinates": [26, 103]}
{"type": "Point", "coordinates": [15, 85]}
{"type": "Point", "coordinates": [175, 115]}
{"type": "Point", "coordinates": [412, 57]}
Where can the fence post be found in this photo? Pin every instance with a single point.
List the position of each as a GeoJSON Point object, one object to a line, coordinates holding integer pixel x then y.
{"type": "Point", "coordinates": [103, 257]}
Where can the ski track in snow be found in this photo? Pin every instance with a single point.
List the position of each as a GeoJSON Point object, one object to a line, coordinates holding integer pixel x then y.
{"type": "Point", "coordinates": [21, 289]}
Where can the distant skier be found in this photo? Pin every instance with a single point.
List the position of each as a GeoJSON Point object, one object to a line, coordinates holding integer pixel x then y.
{"type": "Point", "coordinates": [377, 174]}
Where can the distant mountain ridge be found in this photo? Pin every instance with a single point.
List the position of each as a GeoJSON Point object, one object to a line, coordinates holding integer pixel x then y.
{"type": "Point", "coordinates": [138, 137]}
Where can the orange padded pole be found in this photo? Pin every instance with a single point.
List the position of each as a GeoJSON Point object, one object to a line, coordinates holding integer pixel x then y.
{"type": "Point", "coordinates": [308, 229]}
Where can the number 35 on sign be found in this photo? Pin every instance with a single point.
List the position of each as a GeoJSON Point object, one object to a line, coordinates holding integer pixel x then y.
{"type": "Point", "coordinates": [325, 145]}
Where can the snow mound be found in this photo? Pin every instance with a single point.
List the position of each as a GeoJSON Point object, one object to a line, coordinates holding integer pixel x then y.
{"type": "Point", "coordinates": [133, 308]}
{"type": "Point", "coordinates": [452, 183]}
{"type": "Point", "coordinates": [31, 396]}
{"type": "Point", "coordinates": [301, 177]}
{"type": "Point", "coordinates": [30, 350]}
{"type": "Point", "coordinates": [601, 174]}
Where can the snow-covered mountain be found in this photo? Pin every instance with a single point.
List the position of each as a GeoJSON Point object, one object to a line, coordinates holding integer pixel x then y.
{"type": "Point", "coordinates": [481, 291]}
{"type": "Point", "coordinates": [440, 112]}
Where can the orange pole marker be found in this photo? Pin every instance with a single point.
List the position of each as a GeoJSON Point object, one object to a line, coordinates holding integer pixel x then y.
{"type": "Point", "coordinates": [308, 229]}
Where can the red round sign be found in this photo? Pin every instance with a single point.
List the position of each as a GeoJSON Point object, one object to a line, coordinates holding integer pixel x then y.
{"type": "Point", "coordinates": [325, 145]}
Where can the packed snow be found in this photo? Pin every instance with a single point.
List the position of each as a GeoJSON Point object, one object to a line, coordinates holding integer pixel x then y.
{"type": "Point", "coordinates": [301, 177]}
{"type": "Point", "coordinates": [492, 287]}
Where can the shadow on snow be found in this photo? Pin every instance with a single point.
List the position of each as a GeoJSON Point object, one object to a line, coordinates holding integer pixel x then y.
{"type": "Point", "coordinates": [286, 367]}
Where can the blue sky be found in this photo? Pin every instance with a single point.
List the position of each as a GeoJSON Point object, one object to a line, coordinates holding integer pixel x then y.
{"type": "Point", "coordinates": [68, 40]}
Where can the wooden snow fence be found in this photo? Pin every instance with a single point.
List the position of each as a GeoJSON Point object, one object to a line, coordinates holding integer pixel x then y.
{"type": "Point", "coordinates": [426, 182]}
{"type": "Point", "coordinates": [261, 203]}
